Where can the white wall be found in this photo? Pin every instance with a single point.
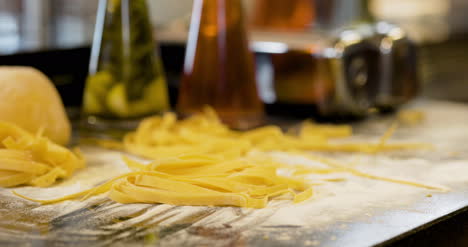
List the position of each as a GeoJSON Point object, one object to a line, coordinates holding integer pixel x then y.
{"type": "Point", "coordinates": [166, 11]}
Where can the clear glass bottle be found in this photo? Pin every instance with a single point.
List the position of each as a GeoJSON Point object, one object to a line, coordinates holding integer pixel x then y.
{"type": "Point", "coordinates": [126, 80]}
{"type": "Point", "coordinates": [219, 69]}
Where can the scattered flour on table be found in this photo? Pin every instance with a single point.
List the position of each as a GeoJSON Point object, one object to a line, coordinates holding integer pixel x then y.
{"type": "Point", "coordinates": [333, 202]}
{"type": "Point", "coordinates": [361, 197]}
{"type": "Point", "coordinates": [445, 127]}
{"type": "Point", "coordinates": [102, 165]}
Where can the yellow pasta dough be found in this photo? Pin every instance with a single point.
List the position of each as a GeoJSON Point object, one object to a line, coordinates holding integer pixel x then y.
{"type": "Point", "coordinates": [165, 136]}
{"type": "Point", "coordinates": [199, 161]}
{"type": "Point", "coordinates": [33, 160]}
{"type": "Point", "coordinates": [31, 101]}
{"type": "Point", "coordinates": [205, 180]}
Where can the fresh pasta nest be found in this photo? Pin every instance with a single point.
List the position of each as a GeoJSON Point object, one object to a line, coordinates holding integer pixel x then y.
{"type": "Point", "coordinates": [33, 160]}
{"type": "Point", "coordinates": [204, 133]}
{"type": "Point", "coordinates": [203, 181]}
{"type": "Point", "coordinates": [200, 161]}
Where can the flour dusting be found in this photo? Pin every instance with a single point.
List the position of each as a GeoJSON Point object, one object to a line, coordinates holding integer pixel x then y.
{"type": "Point", "coordinates": [340, 199]}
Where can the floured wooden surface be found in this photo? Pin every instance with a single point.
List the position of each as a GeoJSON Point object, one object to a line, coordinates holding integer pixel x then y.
{"type": "Point", "coordinates": [352, 212]}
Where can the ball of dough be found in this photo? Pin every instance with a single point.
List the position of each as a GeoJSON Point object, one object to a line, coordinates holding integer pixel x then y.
{"type": "Point", "coordinates": [30, 100]}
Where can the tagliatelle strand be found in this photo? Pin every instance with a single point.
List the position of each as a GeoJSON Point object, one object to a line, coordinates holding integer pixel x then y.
{"type": "Point", "coordinates": [33, 159]}
{"type": "Point", "coordinates": [204, 134]}
{"type": "Point", "coordinates": [199, 161]}
{"type": "Point", "coordinates": [359, 173]}
{"type": "Point", "coordinates": [82, 194]}
{"type": "Point", "coordinates": [245, 186]}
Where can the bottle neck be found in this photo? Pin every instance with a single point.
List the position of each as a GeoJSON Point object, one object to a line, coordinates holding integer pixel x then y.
{"type": "Point", "coordinates": [218, 12]}
{"type": "Point", "coordinates": [365, 15]}
{"type": "Point", "coordinates": [217, 24]}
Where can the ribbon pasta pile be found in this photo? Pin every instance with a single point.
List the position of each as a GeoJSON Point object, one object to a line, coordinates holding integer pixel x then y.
{"type": "Point", "coordinates": [165, 136]}
{"type": "Point", "coordinates": [33, 160]}
{"type": "Point", "coordinates": [203, 180]}
{"type": "Point", "coordinates": [200, 161]}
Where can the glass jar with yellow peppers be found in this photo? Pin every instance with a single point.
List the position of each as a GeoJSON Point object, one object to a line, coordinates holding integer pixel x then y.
{"type": "Point", "coordinates": [126, 80]}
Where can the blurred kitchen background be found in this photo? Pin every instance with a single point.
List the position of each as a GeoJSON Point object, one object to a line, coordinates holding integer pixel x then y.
{"type": "Point", "coordinates": [55, 36]}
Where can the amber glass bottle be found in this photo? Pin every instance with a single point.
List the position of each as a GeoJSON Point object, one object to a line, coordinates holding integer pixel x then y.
{"type": "Point", "coordinates": [291, 15]}
{"type": "Point", "coordinates": [219, 69]}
